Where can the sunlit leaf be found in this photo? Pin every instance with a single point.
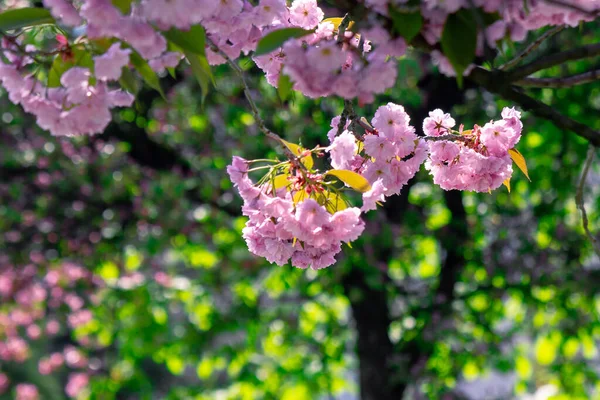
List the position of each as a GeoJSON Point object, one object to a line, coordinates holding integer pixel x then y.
{"type": "Point", "coordinates": [307, 161]}
{"type": "Point", "coordinates": [352, 179]}
{"type": "Point", "coordinates": [300, 196]}
{"type": "Point", "coordinates": [336, 21]}
{"type": "Point", "coordinates": [507, 184]}
{"type": "Point", "coordinates": [518, 159]}
{"type": "Point", "coordinates": [280, 181]}
{"type": "Point", "coordinates": [332, 201]}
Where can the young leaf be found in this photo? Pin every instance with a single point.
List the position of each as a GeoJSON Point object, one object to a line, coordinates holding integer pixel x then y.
{"type": "Point", "coordinates": [193, 40]}
{"type": "Point", "coordinates": [300, 196]}
{"type": "Point", "coordinates": [146, 72]}
{"type": "Point", "coordinates": [352, 179]}
{"type": "Point", "coordinates": [294, 148]}
{"type": "Point", "coordinates": [332, 201]}
{"type": "Point", "coordinates": [24, 17]}
{"type": "Point", "coordinates": [273, 40]}
{"type": "Point", "coordinates": [407, 25]}
{"type": "Point", "coordinates": [507, 184]}
{"type": "Point", "coordinates": [518, 159]}
{"type": "Point", "coordinates": [459, 41]}
{"type": "Point", "coordinates": [284, 87]}
{"type": "Point", "coordinates": [280, 181]}
{"type": "Point", "coordinates": [336, 22]}
{"type": "Point", "coordinates": [297, 150]}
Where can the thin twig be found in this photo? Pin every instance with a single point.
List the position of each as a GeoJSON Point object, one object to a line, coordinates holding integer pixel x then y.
{"type": "Point", "coordinates": [531, 47]}
{"type": "Point", "coordinates": [554, 59]}
{"type": "Point", "coordinates": [449, 136]}
{"type": "Point", "coordinates": [259, 121]}
{"type": "Point", "coordinates": [347, 114]}
{"type": "Point", "coordinates": [579, 198]}
{"type": "Point", "coordinates": [573, 7]}
{"type": "Point", "coordinates": [562, 82]}
{"type": "Point", "coordinates": [342, 28]}
{"type": "Point", "coordinates": [496, 82]}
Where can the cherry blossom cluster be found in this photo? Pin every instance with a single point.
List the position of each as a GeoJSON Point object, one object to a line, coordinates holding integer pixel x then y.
{"type": "Point", "coordinates": [294, 214]}
{"type": "Point", "coordinates": [320, 64]}
{"type": "Point", "coordinates": [77, 107]}
{"type": "Point", "coordinates": [30, 298]}
{"type": "Point", "coordinates": [391, 153]}
{"type": "Point", "coordinates": [327, 63]}
{"type": "Point", "coordinates": [293, 222]}
{"type": "Point", "coordinates": [481, 162]}
{"type": "Point", "coordinates": [333, 59]}
{"type": "Point", "coordinates": [517, 18]}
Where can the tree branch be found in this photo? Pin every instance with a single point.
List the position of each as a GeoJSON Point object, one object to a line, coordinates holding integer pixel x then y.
{"type": "Point", "coordinates": [531, 48]}
{"type": "Point", "coordinates": [573, 7]}
{"type": "Point", "coordinates": [562, 82]}
{"type": "Point", "coordinates": [496, 82]}
{"type": "Point", "coordinates": [554, 59]}
{"type": "Point", "coordinates": [449, 136]}
{"type": "Point", "coordinates": [253, 107]}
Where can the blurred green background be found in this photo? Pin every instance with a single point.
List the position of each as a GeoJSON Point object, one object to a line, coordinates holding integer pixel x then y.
{"type": "Point", "coordinates": [447, 295]}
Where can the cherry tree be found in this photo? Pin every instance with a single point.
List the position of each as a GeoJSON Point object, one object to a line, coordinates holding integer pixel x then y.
{"type": "Point", "coordinates": [70, 63]}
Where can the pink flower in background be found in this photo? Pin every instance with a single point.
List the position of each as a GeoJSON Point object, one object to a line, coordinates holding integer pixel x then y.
{"type": "Point", "coordinates": [4, 383]}
{"type": "Point", "coordinates": [26, 391]}
{"type": "Point", "coordinates": [76, 384]}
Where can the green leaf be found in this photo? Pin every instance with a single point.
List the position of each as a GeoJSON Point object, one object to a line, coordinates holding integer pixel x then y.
{"type": "Point", "coordinates": [193, 40]}
{"type": "Point", "coordinates": [146, 72]}
{"type": "Point", "coordinates": [273, 40]}
{"type": "Point", "coordinates": [201, 70]}
{"type": "Point", "coordinates": [123, 5]}
{"type": "Point", "coordinates": [128, 81]}
{"type": "Point", "coordinates": [407, 25]}
{"type": "Point", "coordinates": [81, 58]}
{"type": "Point", "coordinates": [352, 179]}
{"type": "Point", "coordinates": [284, 87]}
{"type": "Point", "coordinates": [24, 17]}
{"type": "Point", "coordinates": [459, 41]}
